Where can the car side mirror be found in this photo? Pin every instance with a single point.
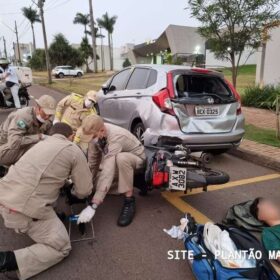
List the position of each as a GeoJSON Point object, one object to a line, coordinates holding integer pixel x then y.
{"type": "Point", "coordinates": [112, 88]}
{"type": "Point", "coordinates": [105, 89]}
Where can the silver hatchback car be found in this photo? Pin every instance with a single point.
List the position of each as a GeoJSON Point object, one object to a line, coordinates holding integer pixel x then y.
{"type": "Point", "coordinates": [170, 104]}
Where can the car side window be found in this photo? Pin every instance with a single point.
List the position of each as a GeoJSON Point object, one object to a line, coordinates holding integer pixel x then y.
{"type": "Point", "coordinates": [120, 79]}
{"type": "Point", "coordinates": [152, 78]}
{"type": "Point", "coordinates": [138, 79]}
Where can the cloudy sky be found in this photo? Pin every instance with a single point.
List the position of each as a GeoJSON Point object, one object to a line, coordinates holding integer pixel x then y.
{"type": "Point", "coordinates": [138, 20]}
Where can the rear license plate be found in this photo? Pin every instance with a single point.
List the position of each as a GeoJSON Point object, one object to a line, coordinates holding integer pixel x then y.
{"type": "Point", "coordinates": [177, 178]}
{"type": "Point", "coordinates": [206, 111]}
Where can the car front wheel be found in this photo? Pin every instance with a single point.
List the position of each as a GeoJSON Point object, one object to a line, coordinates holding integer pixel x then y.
{"type": "Point", "coordinates": [138, 131]}
{"type": "Point", "coordinates": [61, 75]}
{"type": "Point", "coordinates": [79, 74]}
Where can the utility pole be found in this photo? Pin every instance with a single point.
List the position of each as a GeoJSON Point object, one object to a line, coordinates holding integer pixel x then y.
{"type": "Point", "coordinates": [93, 36]}
{"type": "Point", "coordinates": [18, 48]}
{"type": "Point", "coordinates": [5, 49]}
{"type": "Point", "coordinates": [102, 50]}
{"type": "Point", "coordinates": [14, 48]}
{"type": "Point", "coordinates": [40, 6]}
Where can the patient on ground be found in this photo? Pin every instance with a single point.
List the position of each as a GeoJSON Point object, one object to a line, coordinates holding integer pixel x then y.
{"type": "Point", "coordinates": [268, 212]}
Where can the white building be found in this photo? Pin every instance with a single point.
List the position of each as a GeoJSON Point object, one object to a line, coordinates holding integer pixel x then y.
{"type": "Point", "coordinates": [247, 58]}
{"type": "Point", "coordinates": [118, 59]}
{"type": "Point", "coordinates": [271, 67]}
{"type": "Point", "coordinates": [183, 42]}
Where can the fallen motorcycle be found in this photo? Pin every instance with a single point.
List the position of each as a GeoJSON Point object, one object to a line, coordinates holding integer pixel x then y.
{"type": "Point", "coordinates": [175, 168]}
{"type": "Point", "coordinates": [6, 98]}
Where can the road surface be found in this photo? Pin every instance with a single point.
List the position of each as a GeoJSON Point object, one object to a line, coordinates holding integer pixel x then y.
{"type": "Point", "coordinates": [139, 251]}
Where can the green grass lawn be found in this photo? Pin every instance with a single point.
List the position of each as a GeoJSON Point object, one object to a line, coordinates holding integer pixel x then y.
{"type": "Point", "coordinates": [246, 77]}
{"type": "Point", "coordinates": [73, 84]}
{"type": "Point", "coordinates": [260, 135]}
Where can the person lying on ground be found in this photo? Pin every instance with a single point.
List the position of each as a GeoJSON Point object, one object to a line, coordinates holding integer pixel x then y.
{"type": "Point", "coordinates": [268, 212]}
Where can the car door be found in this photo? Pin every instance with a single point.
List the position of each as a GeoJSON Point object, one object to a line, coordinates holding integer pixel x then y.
{"type": "Point", "coordinates": [130, 99]}
{"type": "Point", "coordinates": [108, 100]}
{"type": "Point", "coordinates": [70, 71]}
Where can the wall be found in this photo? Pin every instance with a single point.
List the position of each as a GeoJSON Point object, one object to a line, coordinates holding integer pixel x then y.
{"type": "Point", "coordinates": [272, 60]}
{"type": "Point", "coordinates": [118, 59]}
{"type": "Point", "coordinates": [211, 61]}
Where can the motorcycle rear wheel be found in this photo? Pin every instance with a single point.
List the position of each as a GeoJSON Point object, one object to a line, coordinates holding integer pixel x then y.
{"type": "Point", "coordinates": [212, 176]}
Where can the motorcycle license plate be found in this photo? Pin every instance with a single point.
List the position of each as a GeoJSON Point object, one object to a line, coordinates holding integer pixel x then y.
{"type": "Point", "coordinates": [177, 178]}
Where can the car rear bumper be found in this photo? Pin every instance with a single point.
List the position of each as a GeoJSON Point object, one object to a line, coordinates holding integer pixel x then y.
{"type": "Point", "coordinates": [199, 142]}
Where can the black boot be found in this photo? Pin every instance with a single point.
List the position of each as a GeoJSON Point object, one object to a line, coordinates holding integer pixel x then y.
{"type": "Point", "coordinates": [3, 171]}
{"type": "Point", "coordinates": [8, 261]}
{"type": "Point", "coordinates": [128, 212]}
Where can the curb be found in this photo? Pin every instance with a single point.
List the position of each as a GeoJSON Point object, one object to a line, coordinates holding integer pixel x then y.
{"type": "Point", "coordinates": [256, 158]}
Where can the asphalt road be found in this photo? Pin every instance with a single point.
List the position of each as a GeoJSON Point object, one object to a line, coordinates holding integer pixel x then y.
{"type": "Point", "coordinates": [139, 251]}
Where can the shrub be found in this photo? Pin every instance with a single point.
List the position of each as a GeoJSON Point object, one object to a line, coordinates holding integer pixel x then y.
{"type": "Point", "coordinates": [126, 63]}
{"type": "Point", "coordinates": [264, 98]}
{"type": "Point", "coordinates": [38, 60]}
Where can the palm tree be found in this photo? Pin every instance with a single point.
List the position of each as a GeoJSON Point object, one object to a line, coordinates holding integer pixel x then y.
{"type": "Point", "coordinates": [108, 23]}
{"type": "Point", "coordinates": [98, 34]}
{"type": "Point", "coordinates": [82, 19]}
{"type": "Point", "coordinates": [32, 16]}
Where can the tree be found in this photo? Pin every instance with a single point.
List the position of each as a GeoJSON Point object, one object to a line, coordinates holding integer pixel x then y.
{"type": "Point", "coordinates": [82, 19]}
{"type": "Point", "coordinates": [86, 52]}
{"type": "Point", "coordinates": [61, 53]}
{"type": "Point", "coordinates": [108, 24]}
{"type": "Point", "coordinates": [231, 26]}
{"type": "Point", "coordinates": [126, 63]}
{"type": "Point", "coordinates": [38, 60]}
{"type": "Point", "coordinates": [32, 16]}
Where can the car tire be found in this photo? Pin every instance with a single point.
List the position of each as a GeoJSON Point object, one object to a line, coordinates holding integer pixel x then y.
{"type": "Point", "coordinates": [61, 75]}
{"type": "Point", "coordinates": [218, 152]}
{"type": "Point", "coordinates": [138, 130]}
{"type": "Point", "coordinates": [79, 74]}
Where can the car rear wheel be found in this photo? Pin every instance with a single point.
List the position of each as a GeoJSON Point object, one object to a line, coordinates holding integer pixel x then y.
{"type": "Point", "coordinates": [138, 130]}
{"type": "Point", "coordinates": [61, 75]}
{"type": "Point", "coordinates": [79, 74]}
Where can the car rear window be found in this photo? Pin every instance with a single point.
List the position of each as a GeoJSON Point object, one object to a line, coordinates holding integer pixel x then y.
{"type": "Point", "coordinates": [194, 85]}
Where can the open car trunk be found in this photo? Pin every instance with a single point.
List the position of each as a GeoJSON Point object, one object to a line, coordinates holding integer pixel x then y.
{"type": "Point", "coordinates": [203, 103]}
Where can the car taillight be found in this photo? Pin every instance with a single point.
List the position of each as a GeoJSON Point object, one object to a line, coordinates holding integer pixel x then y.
{"type": "Point", "coordinates": [163, 98]}
{"type": "Point", "coordinates": [237, 96]}
{"type": "Point", "coordinates": [201, 70]}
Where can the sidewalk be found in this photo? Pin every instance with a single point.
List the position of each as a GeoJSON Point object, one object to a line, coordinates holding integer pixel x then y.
{"type": "Point", "coordinates": [259, 117]}
{"type": "Point", "coordinates": [262, 154]}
